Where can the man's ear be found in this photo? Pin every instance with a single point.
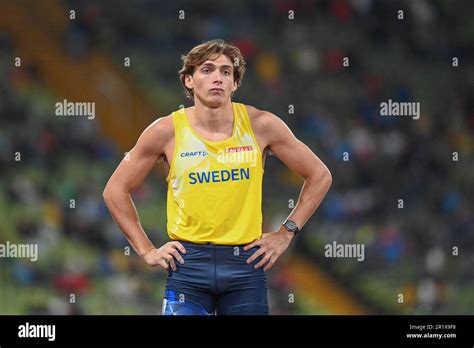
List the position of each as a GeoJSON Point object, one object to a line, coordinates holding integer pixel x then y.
{"type": "Point", "coordinates": [234, 86]}
{"type": "Point", "coordinates": [188, 81]}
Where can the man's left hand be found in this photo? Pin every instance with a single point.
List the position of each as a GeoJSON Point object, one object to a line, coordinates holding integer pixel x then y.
{"type": "Point", "coordinates": [272, 244]}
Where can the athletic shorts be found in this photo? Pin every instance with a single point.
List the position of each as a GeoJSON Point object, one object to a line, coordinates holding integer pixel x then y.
{"type": "Point", "coordinates": [216, 279]}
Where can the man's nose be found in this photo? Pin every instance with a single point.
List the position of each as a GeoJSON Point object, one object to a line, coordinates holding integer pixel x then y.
{"type": "Point", "coordinates": [217, 76]}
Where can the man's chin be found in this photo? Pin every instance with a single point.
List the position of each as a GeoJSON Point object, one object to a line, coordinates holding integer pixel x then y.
{"type": "Point", "coordinates": [215, 101]}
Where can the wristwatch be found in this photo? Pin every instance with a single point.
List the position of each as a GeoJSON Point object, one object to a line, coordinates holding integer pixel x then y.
{"type": "Point", "coordinates": [291, 226]}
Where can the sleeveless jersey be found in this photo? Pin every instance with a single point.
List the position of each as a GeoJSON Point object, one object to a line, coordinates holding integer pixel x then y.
{"type": "Point", "coordinates": [215, 187]}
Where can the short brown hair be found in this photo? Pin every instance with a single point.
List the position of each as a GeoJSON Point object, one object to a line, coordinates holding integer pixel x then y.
{"type": "Point", "coordinates": [211, 50]}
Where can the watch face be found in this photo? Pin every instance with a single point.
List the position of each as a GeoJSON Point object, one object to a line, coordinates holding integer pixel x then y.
{"type": "Point", "coordinates": [290, 225]}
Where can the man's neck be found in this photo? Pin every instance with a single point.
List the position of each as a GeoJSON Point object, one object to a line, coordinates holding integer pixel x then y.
{"type": "Point", "coordinates": [215, 120]}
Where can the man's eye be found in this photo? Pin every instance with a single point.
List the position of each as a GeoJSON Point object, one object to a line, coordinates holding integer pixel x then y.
{"type": "Point", "coordinates": [227, 72]}
{"type": "Point", "coordinates": [205, 70]}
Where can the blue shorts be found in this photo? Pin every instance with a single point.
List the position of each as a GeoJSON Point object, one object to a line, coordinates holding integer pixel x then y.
{"type": "Point", "coordinates": [216, 279]}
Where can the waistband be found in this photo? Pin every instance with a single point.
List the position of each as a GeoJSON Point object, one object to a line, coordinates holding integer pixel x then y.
{"type": "Point", "coordinates": [210, 245]}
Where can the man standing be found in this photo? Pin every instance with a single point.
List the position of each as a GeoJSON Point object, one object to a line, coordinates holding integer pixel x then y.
{"type": "Point", "coordinates": [214, 155]}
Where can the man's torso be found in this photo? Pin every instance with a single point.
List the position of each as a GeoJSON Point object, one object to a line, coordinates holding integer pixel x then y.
{"type": "Point", "coordinates": [215, 181]}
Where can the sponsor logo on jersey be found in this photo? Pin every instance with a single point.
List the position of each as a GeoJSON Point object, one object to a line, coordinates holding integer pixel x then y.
{"type": "Point", "coordinates": [201, 153]}
{"type": "Point", "coordinates": [238, 149]}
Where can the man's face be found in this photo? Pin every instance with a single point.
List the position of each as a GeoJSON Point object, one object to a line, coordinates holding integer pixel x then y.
{"type": "Point", "coordinates": [213, 81]}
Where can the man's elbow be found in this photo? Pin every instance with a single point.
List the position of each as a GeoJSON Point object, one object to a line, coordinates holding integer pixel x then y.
{"type": "Point", "coordinates": [323, 177]}
{"type": "Point", "coordinates": [328, 178]}
{"type": "Point", "coordinates": [106, 195]}
{"type": "Point", "coordinates": [113, 191]}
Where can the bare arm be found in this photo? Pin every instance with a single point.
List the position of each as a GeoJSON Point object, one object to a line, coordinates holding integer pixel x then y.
{"type": "Point", "coordinates": [128, 176]}
{"type": "Point", "coordinates": [301, 160]}
{"type": "Point", "coordinates": [276, 135]}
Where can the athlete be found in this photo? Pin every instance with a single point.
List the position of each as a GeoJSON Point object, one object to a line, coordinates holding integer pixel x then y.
{"type": "Point", "coordinates": [214, 154]}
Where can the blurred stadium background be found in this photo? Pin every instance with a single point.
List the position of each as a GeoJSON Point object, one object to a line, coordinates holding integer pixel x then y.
{"type": "Point", "coordinates": [295, 62]}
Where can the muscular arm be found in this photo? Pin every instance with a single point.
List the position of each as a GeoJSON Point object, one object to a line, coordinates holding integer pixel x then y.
{"type": "Point", "coordinates": [274, 134]}
{"type": "Point", "coordinates": [129, 175]}
{"type": "Point", "coordinates": [300, 159]}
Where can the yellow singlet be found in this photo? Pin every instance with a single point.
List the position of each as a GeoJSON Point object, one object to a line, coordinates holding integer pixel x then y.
{"type": "Point", "coordinates": [215, 187]}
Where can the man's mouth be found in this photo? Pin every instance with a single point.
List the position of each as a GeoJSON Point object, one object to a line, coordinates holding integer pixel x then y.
{"type": "Point", "coordinates": [217, 90]}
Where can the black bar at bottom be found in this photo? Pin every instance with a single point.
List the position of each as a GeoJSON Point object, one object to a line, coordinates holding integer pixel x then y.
{"type": "Point", "coordinates": [155, 330]}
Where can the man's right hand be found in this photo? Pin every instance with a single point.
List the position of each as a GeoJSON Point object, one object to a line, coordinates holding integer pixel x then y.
{"type": "Point", "coordinates": [164, 256]}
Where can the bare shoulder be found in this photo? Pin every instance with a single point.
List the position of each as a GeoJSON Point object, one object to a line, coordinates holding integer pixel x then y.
{"type": "Point", "coordinates": [162, 126]}
{"type": "Point", "coordinates": [266, 123]}
{"type": "Point", "coordinates": [259, 118]}
{"type": "Point", "coordinates": [157, 136]}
